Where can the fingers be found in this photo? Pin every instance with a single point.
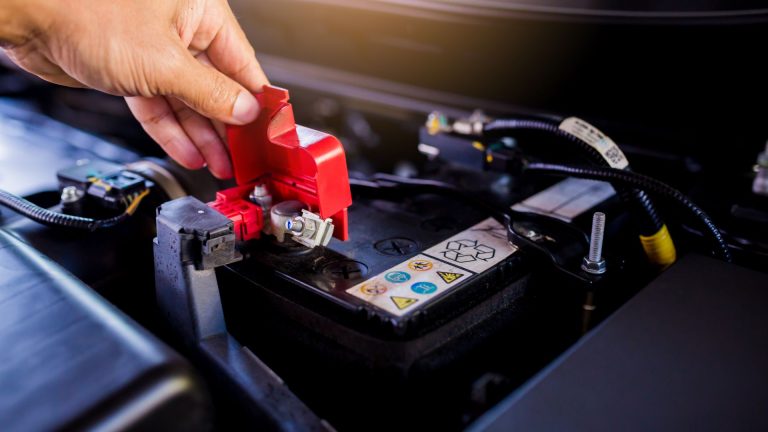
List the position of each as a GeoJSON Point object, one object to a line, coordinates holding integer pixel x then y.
{"type": "Point", "coordinates": [158, 120]}
{"type": "Point", "coordinates": [208, 91]}
{"type": "Point", "coordinates": [233, 55]}
{"type": "Point", "coordinates": [205, 137]}
{"type": "Point", "coordinates": [220, 127]}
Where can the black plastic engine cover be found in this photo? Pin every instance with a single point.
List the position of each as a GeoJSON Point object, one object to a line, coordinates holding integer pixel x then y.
{"type": "Point", "coordinates": [71, 361]}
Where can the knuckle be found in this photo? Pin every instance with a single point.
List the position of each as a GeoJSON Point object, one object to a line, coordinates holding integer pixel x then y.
{"type": "Point", "coordinates": [183, 113]}
{"type": "Point", "coordinates": [243, 67]}
{"type": "Point", "coordinates": [154, 118]}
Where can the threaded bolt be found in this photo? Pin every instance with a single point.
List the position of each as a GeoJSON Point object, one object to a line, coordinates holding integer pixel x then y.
{"type": "Point", "coordinates": [596, 239]}
{"type": "Point", "coordinates": [594, 262]}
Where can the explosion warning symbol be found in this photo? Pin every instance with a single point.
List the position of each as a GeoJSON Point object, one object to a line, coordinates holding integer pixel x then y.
{"type": "Point", "coordinates": [449, 277]}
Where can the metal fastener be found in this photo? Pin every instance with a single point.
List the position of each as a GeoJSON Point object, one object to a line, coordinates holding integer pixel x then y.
{"type": "Point", "coordinates": [71, 194]}
{"type": "Point", "coordinates": [295, 225]}
{"type": "Point", "coordinates": [594, 263]}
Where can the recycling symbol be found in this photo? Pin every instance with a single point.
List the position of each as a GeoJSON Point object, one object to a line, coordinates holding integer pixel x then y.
{"type": "Point", "coordinates": [464, 251]}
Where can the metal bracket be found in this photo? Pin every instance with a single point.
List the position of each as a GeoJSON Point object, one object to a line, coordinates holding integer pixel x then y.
{"type": "Point", "coordinates": [192, 241]}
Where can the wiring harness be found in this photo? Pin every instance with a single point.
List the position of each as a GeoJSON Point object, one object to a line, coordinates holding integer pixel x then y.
{"type": "Point", "coordinates": [60, 220]}
{"type": "Point", "coordinates": [632, 179]}
{"type": "Point", "coordinates": [654, 235]}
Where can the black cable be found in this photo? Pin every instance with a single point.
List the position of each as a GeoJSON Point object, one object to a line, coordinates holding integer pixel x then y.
{"type": "Point", "coordinates": [648, 184]}
{"type": "Point", "coordinates": [652, 222]}
{"type": "Point", "coordinates": [55, 219]}
{"type": "Point", "coordinates": [505, 125]}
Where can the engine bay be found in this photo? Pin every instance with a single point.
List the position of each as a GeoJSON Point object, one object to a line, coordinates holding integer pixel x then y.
{"type": "Point", "coordinates": [399, 252]}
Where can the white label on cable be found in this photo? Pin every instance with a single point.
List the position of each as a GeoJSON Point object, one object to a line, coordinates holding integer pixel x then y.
{"type": "Point", "coordinates": [420, 280]}
{"type": "Point", "coordinates": [597, 140]}
{"type": "Point", "coordinates": [568, 199]}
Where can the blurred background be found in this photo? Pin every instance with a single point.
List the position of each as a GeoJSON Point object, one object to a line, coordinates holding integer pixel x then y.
{"type": "Point", "coordinates": [680, 85]}
{"type": "Point", "coordinates": [669, 79]}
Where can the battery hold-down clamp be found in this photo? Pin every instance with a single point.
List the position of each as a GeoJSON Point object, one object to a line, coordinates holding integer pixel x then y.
{"type": "Point", "coordinates": [292, 180]}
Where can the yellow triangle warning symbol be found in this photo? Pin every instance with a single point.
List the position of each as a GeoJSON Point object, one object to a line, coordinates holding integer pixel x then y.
{"type": "Point", "coordinates": [449, 277]}
{"type": "Point", "coordinates": [403, 302]}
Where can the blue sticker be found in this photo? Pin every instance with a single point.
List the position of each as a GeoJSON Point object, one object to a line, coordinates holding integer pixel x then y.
{"type": "Point", "coordinates": [424, 288]}
{"type": "Point", "coordinates": [397, 277]}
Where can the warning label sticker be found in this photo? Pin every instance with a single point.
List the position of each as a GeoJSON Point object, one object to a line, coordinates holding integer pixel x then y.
{"type": "Point", "coordinates": [374, 288]}
{"type": "Point", "coordinates": [403, 302]}
{"type": "Point", "coordinates": [416, 282]}
{"type": "Point", "coordinates": [476, 249]}
{"type": "Point", "coordinates": [449, 277]}
{"type": "Point", "coordinates": [420, 265]}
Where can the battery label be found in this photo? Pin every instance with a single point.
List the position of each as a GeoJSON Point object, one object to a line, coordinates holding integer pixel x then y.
{"type": "Point", "coordinates": [416, 282]}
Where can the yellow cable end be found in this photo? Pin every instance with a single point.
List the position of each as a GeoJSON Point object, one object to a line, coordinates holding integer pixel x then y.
{"type": "Point", "coordinates": [659, 248]}
{"type": "Point", "coordinates": [134, 205]}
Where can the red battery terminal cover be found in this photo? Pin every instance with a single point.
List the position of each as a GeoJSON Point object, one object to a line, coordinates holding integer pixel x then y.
{"type": "Point", "coordinates": [293, 162]}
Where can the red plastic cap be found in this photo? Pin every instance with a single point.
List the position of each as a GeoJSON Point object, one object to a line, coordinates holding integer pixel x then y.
{"type": "Point", "coordinates": [297, 163]}
{"type": "Point", "coordinates": [248, 218]}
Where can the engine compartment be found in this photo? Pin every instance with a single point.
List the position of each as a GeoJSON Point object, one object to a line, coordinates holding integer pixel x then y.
{"type": "Point", "coordinates": [464, 275]}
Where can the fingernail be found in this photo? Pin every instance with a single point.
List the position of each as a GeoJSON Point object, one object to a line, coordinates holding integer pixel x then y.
{"type": "Point", "coordinates": [246, 108]}
{"type": "Point", "coordinates": [224, 172]}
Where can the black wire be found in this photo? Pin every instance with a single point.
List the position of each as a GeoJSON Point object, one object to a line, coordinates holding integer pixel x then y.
{"type": "Point", "coordinates": [55, 219]}
{"type": "Point", "coordinates": [504, 125]}
{"type": "Point", "coordinates": [639, 199]}
{"type": "Point", "coordinates": [649, 184]}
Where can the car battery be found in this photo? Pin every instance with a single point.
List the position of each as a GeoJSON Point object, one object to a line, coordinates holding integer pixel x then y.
{"type": "Point", "coordinates": [408, 269]}
{"type": "Point", "coordinates": [426, 288]}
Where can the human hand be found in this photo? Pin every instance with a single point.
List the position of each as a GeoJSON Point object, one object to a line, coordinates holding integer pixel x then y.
{"type": "Point", "coordinates": [185, 67]}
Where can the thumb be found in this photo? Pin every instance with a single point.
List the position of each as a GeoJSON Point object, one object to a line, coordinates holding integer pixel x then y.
{"type": "Point", "coordinates": [211, 93]}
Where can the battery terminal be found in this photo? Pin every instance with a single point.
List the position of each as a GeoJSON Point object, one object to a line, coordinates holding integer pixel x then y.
{"type": "Point", "coordinates": [310, 230]}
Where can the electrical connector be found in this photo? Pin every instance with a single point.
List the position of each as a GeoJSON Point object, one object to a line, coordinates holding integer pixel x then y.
{"type": "Point", "coordinates": [283, 169]}
{"type": "Point", "coordinates": [310, 229]}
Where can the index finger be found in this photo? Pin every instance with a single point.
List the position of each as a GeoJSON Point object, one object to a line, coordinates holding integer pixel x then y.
{"type": "Point", "coordinates": [232, 54]}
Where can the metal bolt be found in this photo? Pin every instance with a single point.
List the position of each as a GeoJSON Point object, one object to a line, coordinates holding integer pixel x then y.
{"type": "Point", "coordinates": [295, 225]}
{"type": "Point", "coordinates": [594, 262]}
{"type": "Point", "coordinates": [70, 194]}
{"type": "Point", "coordinates": [260, 195]}
{"type": "Point", "coordinates": [260, 190]}
{"type": "Point", "coordinates": [596, 239]}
